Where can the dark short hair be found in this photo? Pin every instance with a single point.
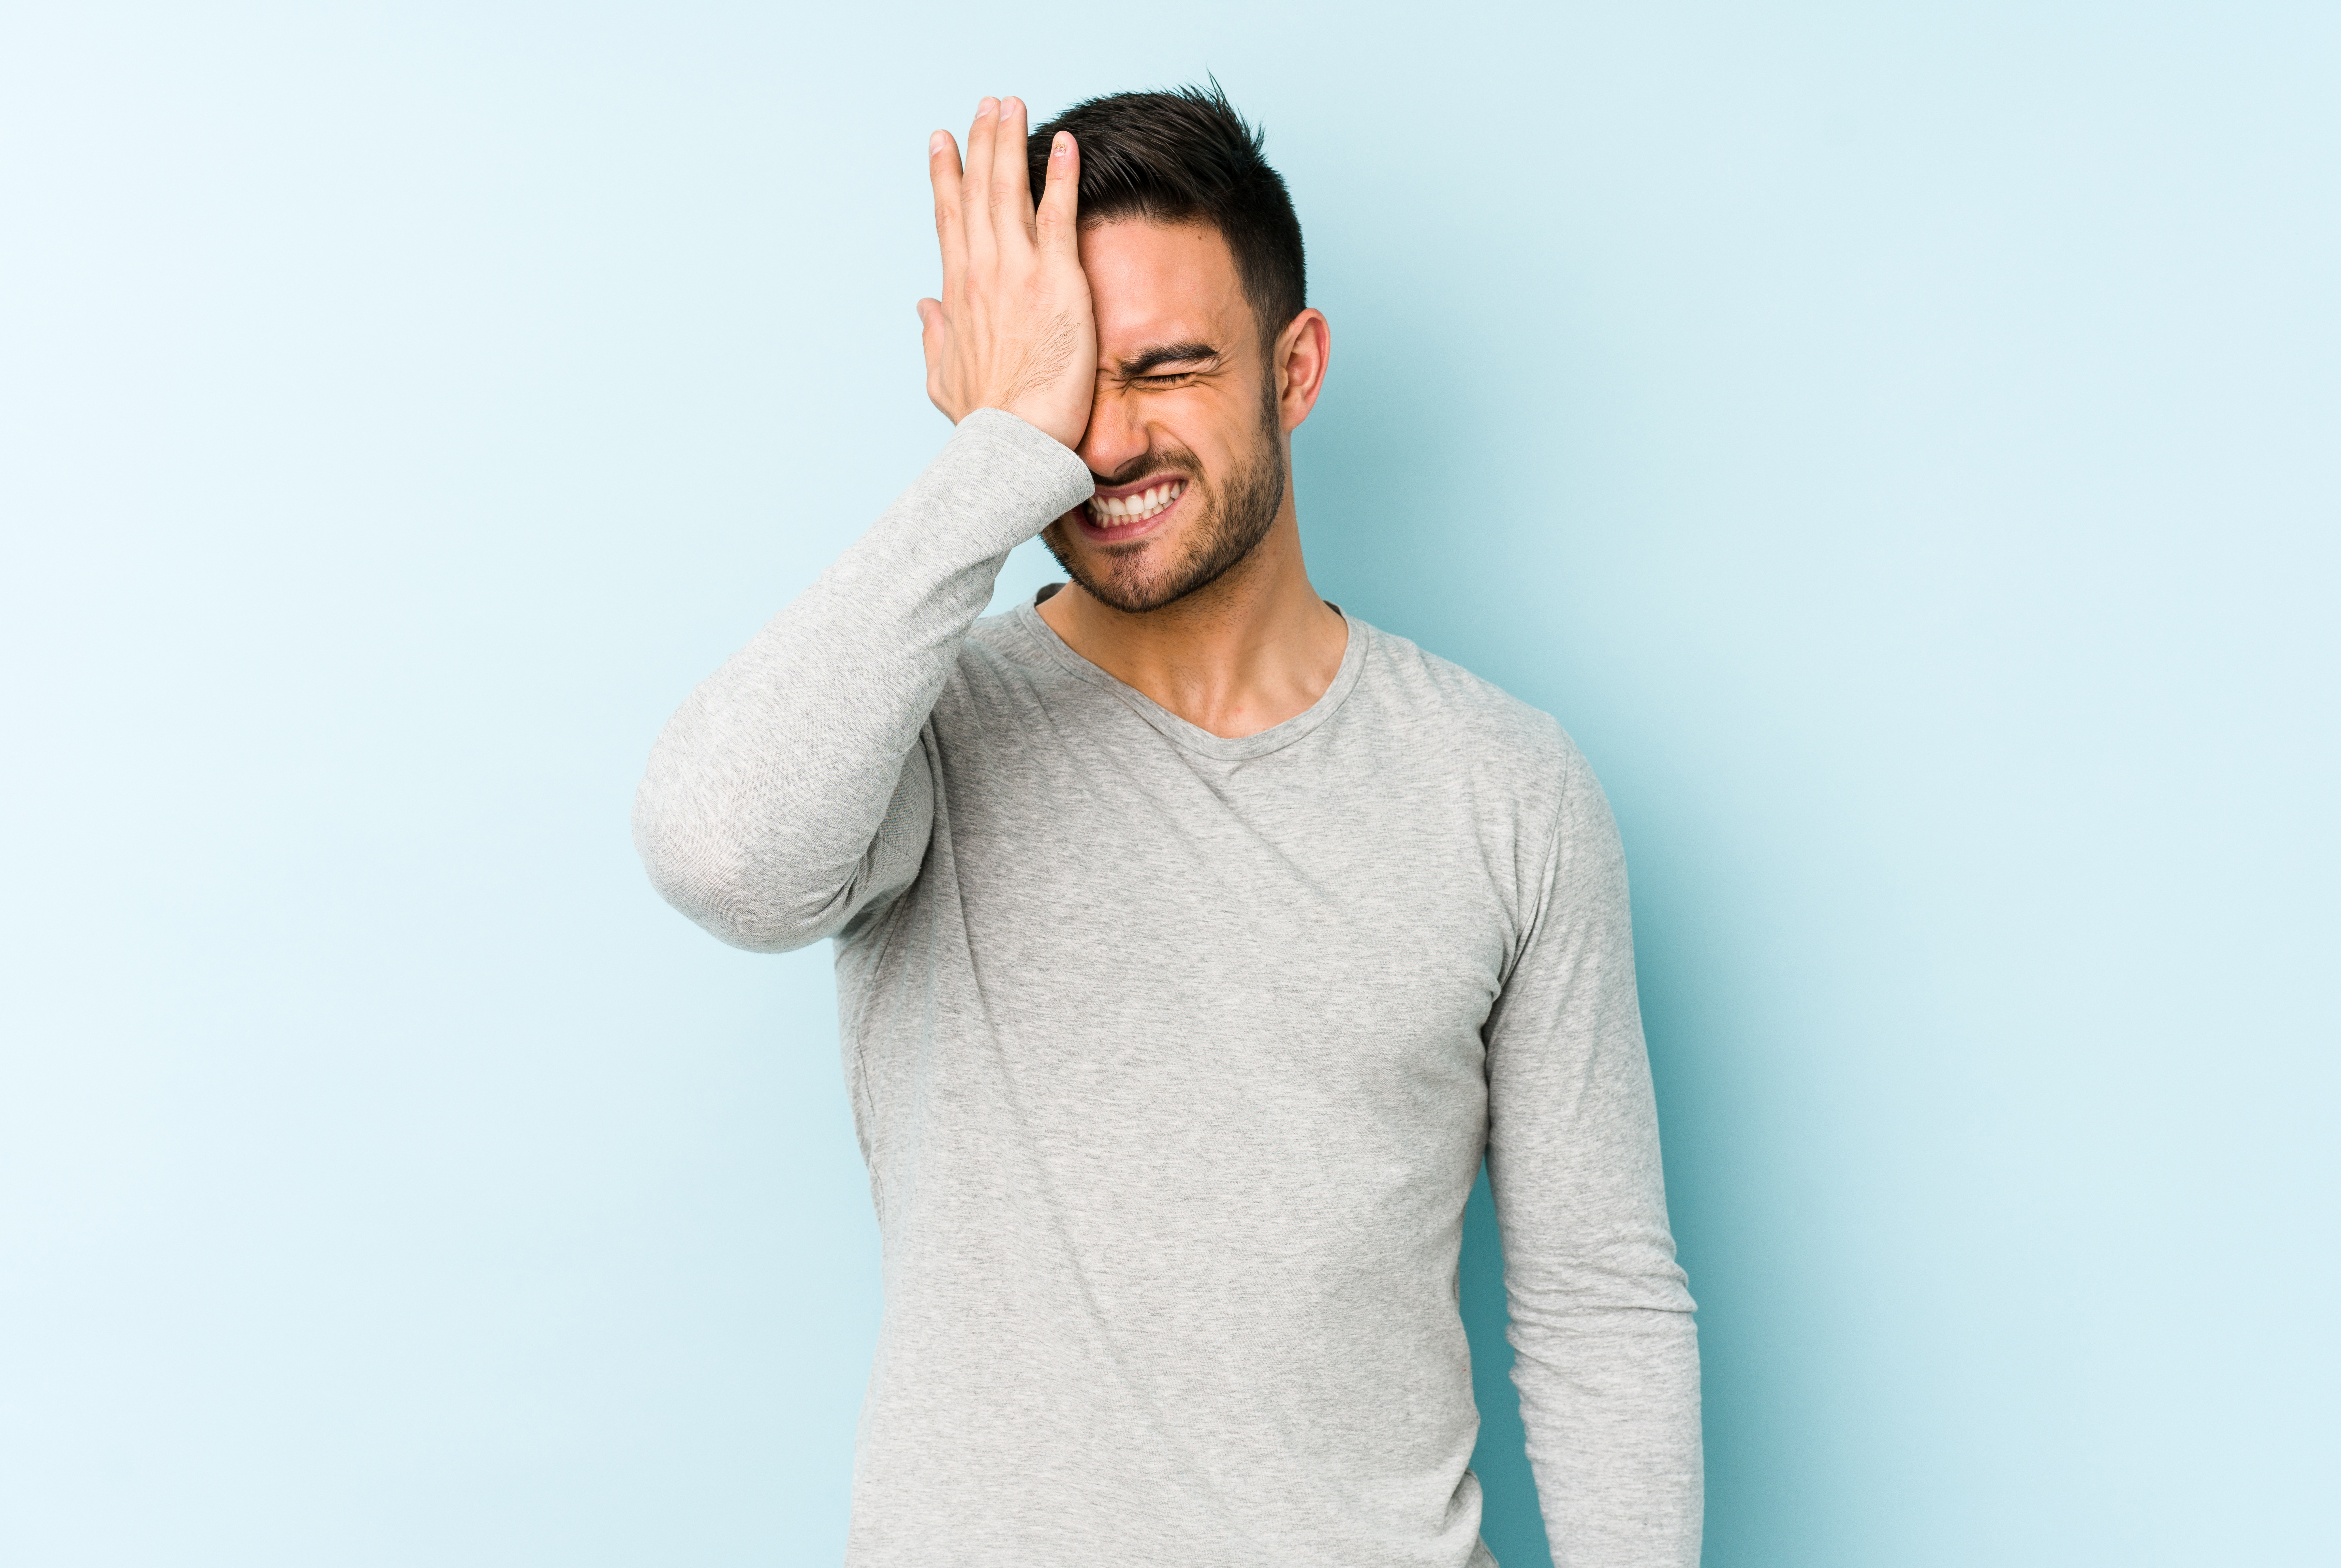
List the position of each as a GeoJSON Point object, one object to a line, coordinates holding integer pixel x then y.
{"type": "Point", "coordinates": [1186, 156]}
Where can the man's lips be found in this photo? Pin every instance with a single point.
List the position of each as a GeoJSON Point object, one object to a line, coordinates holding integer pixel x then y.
{"type": "Point", "coordinates": [1124, 512]}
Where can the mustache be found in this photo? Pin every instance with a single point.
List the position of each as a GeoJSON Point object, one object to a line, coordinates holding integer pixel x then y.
{"type": "Point", "coordinates": [1172, 456]}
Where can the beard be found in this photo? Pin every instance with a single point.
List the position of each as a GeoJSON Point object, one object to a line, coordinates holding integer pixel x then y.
{"type": "Point", "coordinates": [1234, 518]}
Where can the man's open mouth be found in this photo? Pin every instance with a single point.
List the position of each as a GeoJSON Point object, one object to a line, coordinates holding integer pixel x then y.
{"type": "Point", "coordinates": [1129, 511]}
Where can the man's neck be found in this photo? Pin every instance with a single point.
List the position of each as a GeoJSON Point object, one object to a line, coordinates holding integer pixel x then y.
{"type": "Point", "coordinates": [1242, 655]}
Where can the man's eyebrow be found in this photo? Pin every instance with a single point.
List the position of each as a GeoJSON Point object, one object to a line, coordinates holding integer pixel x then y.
{"type": "Point", "coordinates": [1168, 354]}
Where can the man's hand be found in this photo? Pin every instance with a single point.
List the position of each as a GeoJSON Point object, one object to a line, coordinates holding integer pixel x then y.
{"type": "Point", "coordinates": [1013, 329]}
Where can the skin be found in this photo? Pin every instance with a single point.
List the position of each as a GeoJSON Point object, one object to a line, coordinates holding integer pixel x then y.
{"type": "Point", "coordinates": [1132, 343]}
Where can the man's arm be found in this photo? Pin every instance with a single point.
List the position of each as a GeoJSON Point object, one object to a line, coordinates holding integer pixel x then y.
{"type": "Point", "coordinates": [1608, 1356]}
{"type": "Point", "coordinates": [790, 793]}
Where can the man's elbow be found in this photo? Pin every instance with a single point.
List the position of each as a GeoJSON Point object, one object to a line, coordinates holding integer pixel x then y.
{"type": "Point", "coordinates": [726, 892]}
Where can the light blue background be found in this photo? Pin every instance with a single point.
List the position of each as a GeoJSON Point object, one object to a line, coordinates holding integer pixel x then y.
{"type": "Point", "coordinates": [1899, 443]}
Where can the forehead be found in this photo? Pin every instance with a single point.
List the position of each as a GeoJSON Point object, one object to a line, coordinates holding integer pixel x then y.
{"type": "Point", "coordinates": [1154, 283]}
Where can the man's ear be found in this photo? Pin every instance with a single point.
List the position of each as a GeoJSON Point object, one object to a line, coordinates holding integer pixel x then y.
{"type": "Point", "coordinates": [1302, 350]}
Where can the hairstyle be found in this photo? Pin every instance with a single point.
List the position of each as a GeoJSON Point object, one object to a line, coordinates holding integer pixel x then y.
{"type": "Point", "coordinates": [1186, 156]}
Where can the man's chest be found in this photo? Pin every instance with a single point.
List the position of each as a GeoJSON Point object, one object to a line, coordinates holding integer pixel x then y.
{"type": "Point", "coordinates": [1304, 920]}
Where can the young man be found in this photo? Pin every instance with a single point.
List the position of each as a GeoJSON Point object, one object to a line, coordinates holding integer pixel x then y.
{"type": "Point", "coordinates": [1194, 940]}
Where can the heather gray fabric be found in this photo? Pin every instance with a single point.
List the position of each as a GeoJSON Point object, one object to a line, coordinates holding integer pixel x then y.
{"type": "Point", "coordinates": [1173, 1058]}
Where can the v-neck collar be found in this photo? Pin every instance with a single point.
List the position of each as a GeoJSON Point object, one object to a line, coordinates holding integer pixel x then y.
{"type": "Point", "coordinates": [1194, 738]}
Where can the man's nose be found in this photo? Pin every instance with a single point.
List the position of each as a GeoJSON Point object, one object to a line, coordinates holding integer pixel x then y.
{"type": "Point", "coordinates": [1113, 439]}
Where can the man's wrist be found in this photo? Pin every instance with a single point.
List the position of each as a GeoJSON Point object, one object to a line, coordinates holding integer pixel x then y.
{"type": "Point", "coordinates": [1009, 450]}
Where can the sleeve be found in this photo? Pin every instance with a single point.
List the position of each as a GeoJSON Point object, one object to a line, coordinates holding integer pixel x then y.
{"type": "Point", "coordinates": [1607, 1355]}
{"type": "Point", "coordinates": [790, 795]}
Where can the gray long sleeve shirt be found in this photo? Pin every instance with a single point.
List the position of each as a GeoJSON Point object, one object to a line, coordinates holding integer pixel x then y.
{"type": "Point", "coordinates": [1173, 1058]}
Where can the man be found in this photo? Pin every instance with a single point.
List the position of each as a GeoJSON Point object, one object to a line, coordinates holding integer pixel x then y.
{"type": "Point", "coordinates": [1194, 940]}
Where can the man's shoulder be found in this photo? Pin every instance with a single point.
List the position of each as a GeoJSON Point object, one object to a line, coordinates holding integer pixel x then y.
{"type": "Point", "coordinates": [1487, 726]}
{"type": "Point", "coordinates": [1000, 651]}
{"type": "Point", "coordinates": [1001, 634]}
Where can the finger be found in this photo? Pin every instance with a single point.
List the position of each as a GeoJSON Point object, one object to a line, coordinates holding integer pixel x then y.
{"type": "Point", "coordinates": [931, 329]}
{"type": "Point", "coordinates": [975, 203]}
{"type": "Point", "coordinates": [930, 344]}
{"type": "Point", "coordinates": [950, 222]}
{"type": "Point", "coordinates": [1011, 179]}
{"type": "Point", "coordinates": [1058, 221]}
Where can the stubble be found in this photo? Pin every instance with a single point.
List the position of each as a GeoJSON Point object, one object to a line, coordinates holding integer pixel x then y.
{"type": "Point", "coordinates": [1236, 514]}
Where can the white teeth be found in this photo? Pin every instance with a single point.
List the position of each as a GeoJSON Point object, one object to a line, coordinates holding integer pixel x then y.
{"type": "Point", "coordinates": [1112, 511]}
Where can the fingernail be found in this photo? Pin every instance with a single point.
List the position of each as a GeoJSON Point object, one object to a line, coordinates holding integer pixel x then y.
{"type": "Point", "coordinates": [986, 106]}
{"type": "Point", "coordinates": [1060, 146]}
{"type": "Point", "coordinates": [938, 142]}
{"type": "Point", "coordinates": [1007, 106]}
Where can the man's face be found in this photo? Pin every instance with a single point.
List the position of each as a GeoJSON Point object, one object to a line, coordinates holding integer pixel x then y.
{"type": "Point", "coordinates": [1184, 438]}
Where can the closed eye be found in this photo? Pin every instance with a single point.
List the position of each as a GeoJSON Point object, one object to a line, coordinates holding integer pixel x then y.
{"type": "Point", "coordinates": [1144, 368]}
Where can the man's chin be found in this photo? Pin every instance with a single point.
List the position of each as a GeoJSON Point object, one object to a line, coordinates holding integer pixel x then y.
{"type": "Point", "coordinates": [1130, 598]}
{"type": "Point", "coordinates": [1105, 574]}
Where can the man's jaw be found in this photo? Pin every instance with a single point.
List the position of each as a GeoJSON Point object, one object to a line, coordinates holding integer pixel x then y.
{"type": "Point", "coordinates": [1124, 514]}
